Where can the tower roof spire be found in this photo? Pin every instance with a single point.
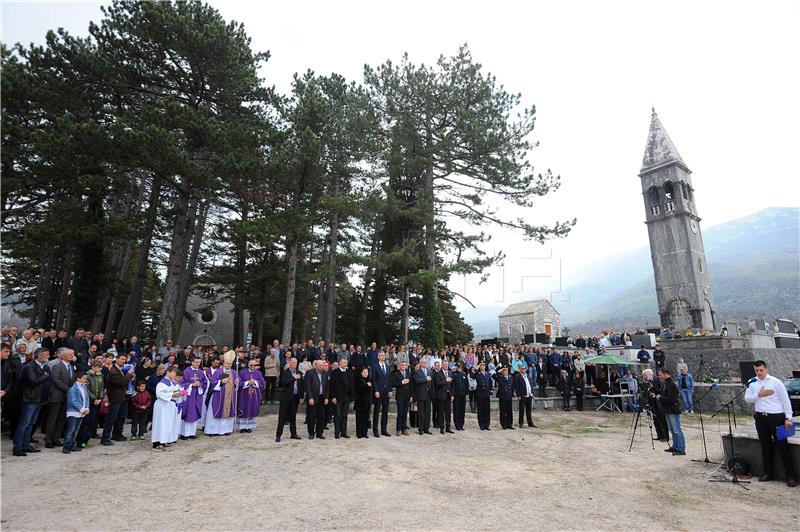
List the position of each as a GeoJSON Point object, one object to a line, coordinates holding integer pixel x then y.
{"type": "Point", "coordinates": [659, 150]}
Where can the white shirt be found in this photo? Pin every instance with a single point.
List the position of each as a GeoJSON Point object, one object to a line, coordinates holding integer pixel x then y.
{"type": "Point", "coordinates": [527, 385]}
{"type": "Point", "coordinates": [777, 403]}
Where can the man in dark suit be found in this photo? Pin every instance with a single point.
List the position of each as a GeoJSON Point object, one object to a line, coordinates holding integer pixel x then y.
{"type": "Point", "coordinates": [62, 375]}
{"type": "Point", "coordinates": [444, 394]}
{"type": "Point", "coordinates": [342, 392]}
{"type": "Point", "coordinates": [358, 361]}
{"type": "Point", "coordinates": [290, 393]}
{"type": "Point", "coordinates": [382, 391]}
{"type": "Point", "coordinates": [460, 388]}
{"type": "Point", "coordinates": [34, 386]}
{"type": "Point", "coordinates": [116, 388]}
{"type": "Point", "coordinates": [483, 394]}
{"type": "Point", "coordinates": [523, 389]}
{"type": "Point", "coordinates": [401, 380]}
{"type": "Point", "coordinates": [505, 395]}
{"type": "Point", "coordinates": [317, 391]}
{"type": "Point", "coordinates": [422, 386]}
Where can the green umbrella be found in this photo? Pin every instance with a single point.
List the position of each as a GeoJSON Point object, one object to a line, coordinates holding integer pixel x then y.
{"type": "Point", "coordinates": [613, 360]}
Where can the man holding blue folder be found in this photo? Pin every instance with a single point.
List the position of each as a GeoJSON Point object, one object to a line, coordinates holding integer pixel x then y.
{"type": "Point", "coordinates": [773, 412]}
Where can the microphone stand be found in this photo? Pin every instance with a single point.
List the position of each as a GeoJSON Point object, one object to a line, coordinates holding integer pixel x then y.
{"type": "Point", "coordinates": [728, 407]}
{"type": "Point", "coordinates": [702, 426]}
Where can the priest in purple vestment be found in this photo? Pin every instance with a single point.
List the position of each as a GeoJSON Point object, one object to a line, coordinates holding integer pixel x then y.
{"type": "Point", "coordinates": [194, 381]}
{"type": "Point", "coordinates": [224, 383]}
{"type": "Point", "coordinates": [251, 390]}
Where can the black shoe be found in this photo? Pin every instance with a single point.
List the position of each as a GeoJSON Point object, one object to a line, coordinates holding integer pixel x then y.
{"type": "Point", "coordinates": [678, 453]}
{"type": "Point", "coordinates": [449, 431]}
{"type": "Point", "coordinates": [106, 442]}
{"type": "Point", "coordinates": [65, 451]}
{"type": "Point", "coordinates": [386, 433]}
{"type": "Point", "coordinates": [34, 440]}
{"type": "Point", "coordinates": [320, 437]}
{"type": "Point", "coordinates": [19, 452]}
{"type": "Point", "coordinates": [118, 438]}
{"type": "Point", "coordinates": [59, 443]}
{"type": "Point", "coordinates": [533, 426]}
{"type": "Point", "coordinates": [31, 450]}
{"type": "Point", "coordinates": [295, 437]}
{"type": "Point", "coordinates": [376, 435]}
{"type": "Point", "coordinates": [765, 478]}
{"type": "Point", "coordinates": [76, 449]}
{"type": "Point", "coordinates": [50, 445]}
{"type": "Point", "coordinates": [428, 432]}
{"type": "Point", "coordinates": [277, 439]}
{"type": "Point", "coordinates": [345, 436]}
{"type": "Point", "coordinates": [311, 436]}
{"type": "Point", "coordinates": [790, 482]}
{"type": "Point", "coordinates": [335, 436]}
{"type": "Point", "coordinates": [669, 450]}
{"type": "Point", "coordinates": [511, 428]}
{"type": "Point", "coordinates": [182, 437]}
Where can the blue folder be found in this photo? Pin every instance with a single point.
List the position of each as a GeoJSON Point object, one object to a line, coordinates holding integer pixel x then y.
{"type": "Point", "coordinates": [784, 433]}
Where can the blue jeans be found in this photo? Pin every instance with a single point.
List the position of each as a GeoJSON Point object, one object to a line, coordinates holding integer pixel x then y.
{"type": "Point", "coordinates": [687, 399]}
{"type": "Point", "coordinates": [73, 424]}
{"type": "Point", "coordinates": [27, 420]}
{"type": "Point", "coordinates": [674, 422]}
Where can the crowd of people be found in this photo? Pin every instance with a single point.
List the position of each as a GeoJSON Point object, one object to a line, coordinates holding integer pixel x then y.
{"type": "Point", "coordinates": [83, 387]}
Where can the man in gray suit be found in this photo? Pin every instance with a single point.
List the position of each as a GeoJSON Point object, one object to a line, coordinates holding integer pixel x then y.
{"type": "Point", "coordinates": [62, 375]}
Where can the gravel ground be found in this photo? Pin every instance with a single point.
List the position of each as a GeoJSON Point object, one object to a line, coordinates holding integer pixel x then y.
{"type": "Point", "coordinates": [573, 472]}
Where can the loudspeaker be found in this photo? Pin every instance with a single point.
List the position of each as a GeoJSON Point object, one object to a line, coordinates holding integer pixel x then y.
{"type": "Point", "coordinates": [561, 341]}
{"type": "Point", "coordinates": [747, 371]}
{"type": "Point", "coordinates": [646, 340]}
{"type": "Point", "coordinates": [654, 330]}
{"type": "Point", "coordinates": [529, 338]}
{"type": "Point", "coordinates": [542, 338]}
{"type": "Point", "coordinates": [489, 341]}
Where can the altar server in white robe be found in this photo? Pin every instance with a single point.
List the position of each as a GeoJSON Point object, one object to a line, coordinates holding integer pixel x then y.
{"type": "Point", "coordinates": [166, 413]}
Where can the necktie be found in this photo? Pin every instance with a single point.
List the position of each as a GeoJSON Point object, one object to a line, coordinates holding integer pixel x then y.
{"type": "Point", "coordinates": [383, 369]}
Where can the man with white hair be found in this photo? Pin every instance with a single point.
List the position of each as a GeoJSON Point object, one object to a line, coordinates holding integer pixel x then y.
{"type": "Point", "coordinates": [649, 389]}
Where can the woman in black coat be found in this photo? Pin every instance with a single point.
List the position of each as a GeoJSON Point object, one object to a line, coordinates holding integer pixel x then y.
{"type": "Point", "coordinates": [577, 389]}
{"type": "Point", "coordinates": [363, 400]}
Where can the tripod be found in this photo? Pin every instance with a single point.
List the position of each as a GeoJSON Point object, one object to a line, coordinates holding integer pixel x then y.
{"type": "Point", "coordinates": [702, 426]}
{"type": "Point", "coordinates": [635, 420]}
{"type": "Point", "coordinates": [728, 407]}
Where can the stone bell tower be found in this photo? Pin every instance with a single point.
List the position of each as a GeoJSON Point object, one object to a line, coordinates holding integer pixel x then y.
{"type": "Point", "coordinates": [676, 243]}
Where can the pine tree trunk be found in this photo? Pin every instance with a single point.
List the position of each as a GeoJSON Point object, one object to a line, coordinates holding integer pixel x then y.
{"type": "Point", "coordinates": [176, 266]}
{"type": "Point", "coordinates": [288, 311]}
{"type": "Point", "coordinates": [405, 311]}
{"type": "Point", "coordinates": [197, 225]}
{"type": "Point", "coordinates": [63, 315]}
{"type": "Point", "coordinates": [119, 280]}
{"type": "Point", "coordinates": [330, 292]}
{"type": "Point", "coordinates": [43, 291]}
{"type": "Point", "coordinates": [361, 323]}
{"type": "Point", "coordinates": [129, 322]}
{"type": "Point", "coordinates": [239, 287]}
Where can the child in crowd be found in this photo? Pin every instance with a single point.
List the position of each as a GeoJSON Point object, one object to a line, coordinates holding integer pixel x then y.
{"type": "Point", "coordinates": [95, 386]}
{"type": "Point", "coordinates": [140, 403]}
{"type": "Point", "coordinates": [77, 408]}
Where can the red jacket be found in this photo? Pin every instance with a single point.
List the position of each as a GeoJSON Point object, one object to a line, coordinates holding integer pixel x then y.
{"type": "Point", "coordinates": [141, 401]}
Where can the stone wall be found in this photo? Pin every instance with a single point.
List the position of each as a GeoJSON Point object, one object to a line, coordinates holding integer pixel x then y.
{"type": "Point", "coordinates": [724, 363]}
{"type": "Point", "coordinates": [533, 323]}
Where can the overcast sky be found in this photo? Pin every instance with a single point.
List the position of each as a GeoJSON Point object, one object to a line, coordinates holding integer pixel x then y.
{"type": "Point", "coordinates": [722, 76]}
